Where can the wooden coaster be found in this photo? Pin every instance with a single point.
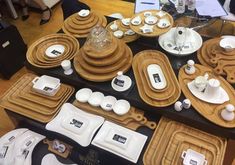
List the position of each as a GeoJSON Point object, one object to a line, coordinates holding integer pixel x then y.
{"type": "Point", "coordinates": [125, 38]}
{"type": "Point", "coordinates": [165, 135]}
{"type": "Point", "coordinates": [156, 30]}
{"type": "Point", "coordinates": [213, 111]}
{"type": "Point", "coordinates": [160, 98]}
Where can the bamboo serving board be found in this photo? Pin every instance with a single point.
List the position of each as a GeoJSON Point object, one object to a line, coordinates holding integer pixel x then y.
{"type": "Point", "coordinates": [158, 98]}
{"type": "Point", "coordinates": [97, 69]}
{"type": "Point", "coordinates": [207, 110]}
{"type": "Point", "coordinates": [213, 56]}
{"type": "Point", "coordinates": [156, 30]}
{"type": "Point", "coordinates": [80, 27]}
{"type": "Point", "coordinates": [36, 52]}
{"type": "Point", "coordinates": [165, 145]}
{"type": "Point", "coordinates": [125, 38]}
{"type": "Point", "coordinates": [13, 101]}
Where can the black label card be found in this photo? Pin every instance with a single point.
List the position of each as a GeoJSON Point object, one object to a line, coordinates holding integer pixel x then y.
{"type": "Point", "coordinates": [156, 78]}
{"type": "Point", "coordinates": [119, 82]}
{"type": "Point", "coordinates": [119, 138]}
{"type": "Point", "coordinates": [76, 123]}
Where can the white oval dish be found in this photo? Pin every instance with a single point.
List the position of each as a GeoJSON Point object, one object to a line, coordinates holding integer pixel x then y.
{"type": "Point", "coordinates": [121, 107]}
{"type": "Point", "coordinates": [136, 21]}
{"type": "Point", "coordinates": [163, 23]}
{"type": "Point", "coordinates": [83, 95]}
{"type": "Point", "coordinates": [96, 98]}
{"type": "Point", "coordinates": [54, 51]}
{"type": "Point", "coordinates": [126, 21]}
{"type": "Point", "coordinates": [151, 20]}
{"type": "Point", "coordinates": [108, 103]}
{"type": "Point", "coordinates": [84, 13]}
{"type": "Point", "coordinates": [118, 34]}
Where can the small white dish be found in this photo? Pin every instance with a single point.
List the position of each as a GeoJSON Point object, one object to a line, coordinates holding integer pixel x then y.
{"type": "Point", "coordinates": [146, 28]}
{"type": "Point", "coordinates": [121, 107]}
{"type": "Point", "coordinates": [108, 103]}
{"type": "Point", "coordinates": [126, 21]}
{"type": "Point", "coordinates": [83, 95]}
{"type": "Point", "coordinates": [76, 124]}
{"type": "Point", "coordinates": [228, 44]}
{"type": "Point", "coordinates": [136, 21]}
{"type": "Point", "coordinates": [121, 82]}
{"type": "Point", "coordinates": [84, 13]}
{"type": "Point", "coordinates": [54, 51]}
{"type": "Point", "coordinates": [52, 159]}
{"type": "Point", "coordinates": [114, 26]}
{"type": "Point", "coordinates": [151, 20]}
{"type": "Point", "coordinates": [118, 34]}
{"type": "Point", "coordinates": [121, 141]}
{"type": "Point", "coordinates": [96, 98]}
{"type": "Point", "coordinates": [147, 13]}
{"type": "Point", "coordinates": [192, 157]}
{"type": "Point", "coordinates": [46, 85]}
{"type": "Point", "coordinates": [161, 13]}
{"type": "Point", "coordinates": [163, 23]}
{"type": "Point", "coordinates": [129, 32]}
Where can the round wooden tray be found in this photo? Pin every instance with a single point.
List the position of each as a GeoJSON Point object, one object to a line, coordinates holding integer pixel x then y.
{"type": "Point", "coordinates": [125, 38]}
{"type": "Point", "coordinates": [213, 111]}
{"type": "Point", "coordinates": [80, 27]}
{"type": "Point", "coordinates": [151, 97]}
{"type": "Point", "coordinates": [156, 30]}
{"type": "Point", "coordinates": [97, 73]}
{"type": "Point", "coordinates": [36, 52]}
{"type": "Point", "coordinates": [213, 56]}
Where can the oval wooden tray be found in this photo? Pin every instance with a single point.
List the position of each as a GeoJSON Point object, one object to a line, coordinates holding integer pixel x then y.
{"type": "Point", "coordinates": [212, 112]}
{"type": "Point", "coordinates": [125, 38]}
{"type": "Point", "coordinates": [163, 134]}
{"type": "Point", "coordinates": [156, 30]}
{"type": "Point", "coordinates": [160, 98]}
{"type": "Point", "coordinates": [98, 77]}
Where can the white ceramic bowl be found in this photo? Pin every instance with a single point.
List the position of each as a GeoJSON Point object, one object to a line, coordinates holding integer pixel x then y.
{"type": "Point", "coordinates": [108, 103]}
{"type": "Point", "coordinates": [136, 21]}
{"type": "Point", "coordinates": [96, 98]}
{"type": "Point", "coordinates": [84, 13]}
{"type": "Point", "coordinates": [118, 34]}
{"type": "Point", "coordinates": [151, 20]}
{"type": "Point", "coordinates": [83, 95]}
{"type": "Point", "coordinates": [121, 107]}
{"type": "Point", "coordinates": [163, 23]}
{"type": "Point", "coordinates": [228, 44]}
{"type": "Point", "coordinates": [126, 21]}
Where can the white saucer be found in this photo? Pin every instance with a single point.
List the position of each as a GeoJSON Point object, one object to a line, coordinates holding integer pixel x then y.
{"type": "Point", "coordinates": [121, 107]}
{"type": "Point", "coordinates": [193, 42]}
{"type": "Point", "coordinates": [121, 83]}
{"type": "Point", "coordinates": [219, 98]}
{"type": "Point", "coordinates": [108, 103]}
{"type": "Point", "coordinates": [96, 98]}
{"type": "Point", "coordinates": [52, 159]}
{"type": "Point", "coordinates": [54, 51]}
{"type": "Point", "coordinates": [83, 95]}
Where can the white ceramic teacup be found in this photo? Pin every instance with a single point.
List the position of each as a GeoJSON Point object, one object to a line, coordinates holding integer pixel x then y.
{"type": "Point", "coordinates": [212, 89]}
{"type": "Point", "coordinates": [66, 65]}
{"type": "Point", "coordinates": [200, 83]}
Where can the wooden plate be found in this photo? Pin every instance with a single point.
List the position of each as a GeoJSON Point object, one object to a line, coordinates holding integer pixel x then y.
{"type": "Point", "coordinates": [156, 30]}
{"type": "Point", "coordinates": [125, 38]}
{"type": "Point", "coordinates": [213, 111]}
{"type": "Point", "coordinates": [160, 98]}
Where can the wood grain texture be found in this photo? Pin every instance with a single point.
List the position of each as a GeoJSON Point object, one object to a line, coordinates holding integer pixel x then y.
{"type": "Point", "coordinates": [207, 110]}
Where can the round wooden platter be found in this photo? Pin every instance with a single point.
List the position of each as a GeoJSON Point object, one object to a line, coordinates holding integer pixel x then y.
{"type": "Point", "coordinates": [164, 137]}
{"type": "Point", "coordinates": [96, 77]}
{"type": "Point", "coordinates": [125, 38]}
{"type": "Point", "coordinates": [156, 30]}
{"type": "Point", "coordinates": [80, 27]}
{"type": "Point", "coordinates": [207, 110]}
{"type": "Point", "coordinates": [36, 52]}
{"type": "Point", "coordinates": [160, 98]}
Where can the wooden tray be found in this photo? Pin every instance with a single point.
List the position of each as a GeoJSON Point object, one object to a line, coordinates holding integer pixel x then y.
{"type": "Point", "coordinates": [80, 27]}
{"type": "Point", "coordinates": [213, 111]}
{"type": "Point", "coordinates": [156, 30]}
{"type": "Point", "coordinates": [125, 38]}
{"type": "Point", "coordinates": [158, 99]}
{"type": "Point", "coordinates": [40, 60]}
{"type": "Point", "coordinates": [98, 75]}
{"type": "Point", "coordinates": [163, 134]}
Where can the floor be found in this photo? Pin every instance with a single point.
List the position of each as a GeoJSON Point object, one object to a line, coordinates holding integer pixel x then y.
{"type": "Point", "coordinates": [31, 31]}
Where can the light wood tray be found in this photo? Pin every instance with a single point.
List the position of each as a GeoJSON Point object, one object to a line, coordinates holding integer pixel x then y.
{"type": "Point", "coordinates": [160, 98]}
{"type": "Point", "coordinates": [36, 57]}
{"type": "Point", "coordinates": [163, 134]}
{"type": "Point", "coordinates": [125, 38]}
{"type": "Point", "coordinates": [103, 73]}
{"type": "Point", "coordinates": [213, 111]}
{"type": "Point", "coordinates": [80, 27]}
{"type": "Point", "coordinates": [213, 56]}
{"type": "Point", "coordinates": [156, 30]}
